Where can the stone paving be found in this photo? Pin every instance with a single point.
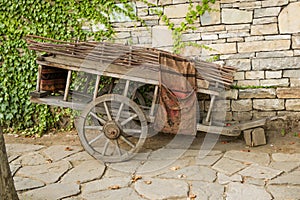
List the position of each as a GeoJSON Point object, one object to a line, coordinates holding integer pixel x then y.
{"type": "Point", "coordinates": [69, 173]}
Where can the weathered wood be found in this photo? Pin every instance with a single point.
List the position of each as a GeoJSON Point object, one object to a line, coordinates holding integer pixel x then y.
{"type": "Point", "coordinates": [229, 131]}
{"type": "Point", "coordinates": [58, 101]}
{"type": "Point", "coordinates": [68, 85]}
{"type": "Point", "coordinates": [39, 94]}
{"type": "Point", "coordinates": [122, 56]}
{"type": "Point", "coordinates": [7, 188]}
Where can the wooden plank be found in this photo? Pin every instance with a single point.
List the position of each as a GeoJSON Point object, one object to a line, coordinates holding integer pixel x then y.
{"type": "Point", "coordinates": [228, 131]}
{"type": "Point", "coordinates": [58, 101]}
{"type": "Point", "coordinates": [206, 91]}
{"type": "Point", "coordinates": [252, 124]}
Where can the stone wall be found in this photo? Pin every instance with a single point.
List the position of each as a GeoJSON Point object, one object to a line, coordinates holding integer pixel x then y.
{"type": "Point", "coordinates": [259, 37]}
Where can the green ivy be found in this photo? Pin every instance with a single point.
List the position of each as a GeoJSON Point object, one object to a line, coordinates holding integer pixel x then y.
{"type": "Point", "coordinates": [57, 19]}
{"type": "Point", "coordinates": [195, 10]}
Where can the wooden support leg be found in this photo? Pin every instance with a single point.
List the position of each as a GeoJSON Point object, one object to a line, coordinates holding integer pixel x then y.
{"type": "Point", "coordinates": [125, 93]}
{"type": "Point", "coordinates": [68, 85]}
{"type": "Point", "coordinates": [96, 87]}
{"type": "Point", "coordinates": [39, 77]}
{"type": "Point", "coordinates": [154, 100]}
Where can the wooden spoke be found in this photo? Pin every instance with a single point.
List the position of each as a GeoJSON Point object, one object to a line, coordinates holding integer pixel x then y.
{"type": "Point", "coordinates": [118, 148]}
{"type": "Point", "coordinates": [128, 120]}
{"type": "Point", "coordinates": [105, 147]}
{"type": "Point", "coordinates": [98, 128]}
{"type": "Point", "coordinates": [95, 139]}
{"type": "Point", "coordinates": [132, 130]}
{"type": "Point", "coordinates": [127, 141]}
{"type": "Point", "coordinates": [103, 137]}
{"type": "Point", "coordinates": [107, 111]}
{"type": "Point", "coordinates": [98, 118]}
{"type": "Point", "coordinates": [119, 112]}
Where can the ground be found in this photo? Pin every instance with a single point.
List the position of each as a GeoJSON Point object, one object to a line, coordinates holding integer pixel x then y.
{"type": "Point", "coordinates": [277, 142]}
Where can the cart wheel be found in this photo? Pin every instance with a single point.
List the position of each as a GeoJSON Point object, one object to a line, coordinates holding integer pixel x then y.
{"type": "Point", "coordinates": [112, 128]}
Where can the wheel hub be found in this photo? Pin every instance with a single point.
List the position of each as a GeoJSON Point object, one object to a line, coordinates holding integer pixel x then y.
{"type": "Point", "coordinates": [111, 130]}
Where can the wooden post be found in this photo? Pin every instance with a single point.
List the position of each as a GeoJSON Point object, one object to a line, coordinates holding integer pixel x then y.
{"type": "Point", "coordinates": [38, 81]}
{"type": "Point", "coordinates": [7, 188]}
{"type": "Point", "coordinates": [96, 87]}
{"type": "Point", "coordinates": [68, 85]}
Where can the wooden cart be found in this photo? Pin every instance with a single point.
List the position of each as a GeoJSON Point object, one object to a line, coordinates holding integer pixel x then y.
{"type": "Point", "coordinates": [114, 122]}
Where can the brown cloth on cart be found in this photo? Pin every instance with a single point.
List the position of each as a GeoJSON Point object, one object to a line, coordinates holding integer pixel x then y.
{"type": "Point", "coordinates": [177, 101]}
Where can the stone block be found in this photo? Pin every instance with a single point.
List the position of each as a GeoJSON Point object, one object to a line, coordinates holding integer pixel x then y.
{"type": "Point", "coordinates": [236, 16]}
{"type": "Point", "coordinates": [275, 82]}
{"type": "Point", "coordinates": [240, 64]}
{"type": "Point", "coordinates": [296, 42]}
{"type": "Point", "coordinates": [230, 94]}
{"type": "Point", "coordinates": [237, 56]}
{"type": "Point", "coordinates": [288, 93]}
{"type": "Point", "coordinates": [191, 51]}
{"type": "Point", "coordinates": [235, 39]}
{"type": "Point", "coordinates": [164, 2]}
{"type": "Point", "coordinates": [211, 18]}
{"type": "Point", "coordinates": [275, 64]}
{"type": "Point", "coordinates": [176, 11]}
{"type": "Point", "coordinates": [179, 1]}
{"type": "Point", "coordinates": [190, 36]}
{"type": "Point", "coordinates": [255, 137]}
{"type": "Point", "coordinates": [245, 83]}
{"type": "Point", "coordinates": [265, 20]}
{"type": "Point", "coordinates": [266, 12]}
{"type": "Point", "coordinates": [268, 104]}
{"type": "Point", "coordinates": [219, 105]}
{"type": "Point", "coordinates": [239, 76]}
{"type": "Point", "coordinates": [242, 116]}
{"type": "Point", "coordinates": [254, 75]}
{"type": "Point", "coordinates": [241, 105]}
{"type": "Point", "coordinates": [254, 38]}
{"type": "Point", "coordinates": [264, 46]}
{"type": "Point", "coordinates": [214, 28]}
{"type": "Point", "coordinates": [295, 82]}
{"type": "Point", "coordinates": [261, 115]}
{"type": "Point", "coordinates": [258, 93]}
{"type": "Point", "coordinates": [288, 19]}
{"type": "Point", "coordinates": [209, 36]}
{"type": "Point", "coordinates": [142, 12]}
{"type": "Point", "coordinates": [237, 34]}
{"type": "Point", "coordinates": [296, 52]}
{"type": "Point", "coordinates": [235, 27]}
{"type": "Point", "coordinates": [275, 54]}
{"type": "Point", "coordinates": [161, 36]}
{"type": "Point", "coordinates": [122, 35]}
{"type": "Point", "coordinates": [155, 10]}
{"type": "Point", "coordinates": [273, 3]}
{"type": "Point", "coordinates": [149, 23]}
{"type": "Point", "coordinates": [277, 37]}
{"type": "Point", "coordinates": [291, 73]}
{"type": "Point", "coordinates": [292, 104]}
{"type": "Point", "coordinates": [227, 48]}
{"type": "Point", "coordinates": [222, 116]}
{"type": "Point", "coordinates": [247, 5]}
{"type": "Point", "coordinates": [229, 1]}
{"type": "Point", "coordinates": [273, 74]}
{"type": "Point", "coordinates": [264, 29]}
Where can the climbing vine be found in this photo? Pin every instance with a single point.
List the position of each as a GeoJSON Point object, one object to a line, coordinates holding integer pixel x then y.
{"type": "Point", "coordinates": [192, 17]}
{"type": "Point", "coordinates": [58, 19]}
